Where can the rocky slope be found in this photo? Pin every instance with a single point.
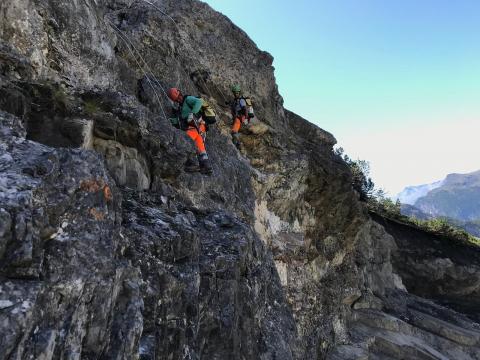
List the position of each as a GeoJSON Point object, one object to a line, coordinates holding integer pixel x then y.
{"type": "Point", "coordinates": [109, 250]}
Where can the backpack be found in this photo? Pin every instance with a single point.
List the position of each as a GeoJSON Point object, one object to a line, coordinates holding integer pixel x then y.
{"type": "Point", "coordinates": [249, 102]}
{"type": "Point", "coordinates": [207, 112]}
{"type": "Point", "coordinates": [249, 105]}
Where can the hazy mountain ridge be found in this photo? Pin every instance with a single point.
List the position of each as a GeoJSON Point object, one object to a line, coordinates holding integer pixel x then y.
{"type": "Point", "coordinates": [458, 197]}
{"type": "Point", "coordinates": [411, 194]}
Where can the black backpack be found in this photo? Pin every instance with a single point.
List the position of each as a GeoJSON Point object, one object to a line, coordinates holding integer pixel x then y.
{"type": "Point", "coordinates": [249, 105]}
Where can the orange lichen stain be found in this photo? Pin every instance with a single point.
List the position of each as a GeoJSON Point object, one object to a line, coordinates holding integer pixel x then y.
{"type": "Point", "coordinates": [107, 193]}
{"type": "Point", "coordinates": [97, 215]}
{"type": "Point", "coordinates": [92, 185]}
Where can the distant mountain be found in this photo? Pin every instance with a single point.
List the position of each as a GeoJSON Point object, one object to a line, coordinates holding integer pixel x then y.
{"type": "Point", "coordinates": [458, 198]}
{"type": "Point", "coordinates": [412, 211]}
{"type": "Point", "coordinates": [410, 194]}
{"type": "Point", "coordinates": [472, 227]}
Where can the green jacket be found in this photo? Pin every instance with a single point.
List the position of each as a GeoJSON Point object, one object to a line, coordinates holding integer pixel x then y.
{"type": "Point", "coordinates": [191, 104]}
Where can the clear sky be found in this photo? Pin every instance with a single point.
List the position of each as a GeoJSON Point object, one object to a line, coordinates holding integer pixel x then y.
{"type": "Point", "coordinates": [396, 81]}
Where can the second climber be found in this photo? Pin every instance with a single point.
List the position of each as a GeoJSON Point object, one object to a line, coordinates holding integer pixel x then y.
{"type": "Point", "coordinates": [242, 112]}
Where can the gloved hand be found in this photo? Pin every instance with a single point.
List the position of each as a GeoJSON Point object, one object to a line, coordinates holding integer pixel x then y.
{"type": "Point", "coordinates": [190, 117]}
{"type": "Point", "coordinates": [174, 121]}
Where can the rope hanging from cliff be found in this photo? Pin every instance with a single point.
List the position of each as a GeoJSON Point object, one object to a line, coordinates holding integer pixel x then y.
{"type": "Point", "coordinates": [128, 41]}
{"type": "Point", "coordinates": [178, 28]}
{"type": "Point", "coordinates": [147, 76]}
{"type": "Point", "coordinates": [176, 25]}
{"type": "Point", "coordinates": [162, 12]}
{"type": "Point", "coordinates": [150, 74]}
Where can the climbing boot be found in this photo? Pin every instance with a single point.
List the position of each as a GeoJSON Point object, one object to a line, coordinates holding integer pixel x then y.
{"type": "Point", "coordinates": [205, 167]}
{"type": "Point", "coordinates": [236, 140]}
{"type": "Point", "coordinates": [191, 166]}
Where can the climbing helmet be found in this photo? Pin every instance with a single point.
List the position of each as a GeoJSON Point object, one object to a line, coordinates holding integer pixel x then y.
{"type": "Point", "coordinates": [173, 94]}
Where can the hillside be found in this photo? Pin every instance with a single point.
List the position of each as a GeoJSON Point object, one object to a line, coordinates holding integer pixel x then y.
{"type": "Point", "coordinates": [110, 250]}
{"type": "Point", "coordinates": [458, 198]}
{"type": "Point", "coordinates": [472, 227]}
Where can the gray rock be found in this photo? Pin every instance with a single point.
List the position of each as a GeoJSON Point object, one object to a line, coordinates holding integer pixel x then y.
{"type": "Point", "coordinates": [437, 268]}
{"type": "Point", "coordinates": [64, 285]}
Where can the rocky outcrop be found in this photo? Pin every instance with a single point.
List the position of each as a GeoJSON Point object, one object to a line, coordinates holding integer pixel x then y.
{"type": "Point", "coordinates": [110, 250]}
{"type": "Point", "coordinates": [66, 291]}
{"type": "Point", "coordinates": [436, 267]}
{"type": "Point", "coordinates": [409, 328]}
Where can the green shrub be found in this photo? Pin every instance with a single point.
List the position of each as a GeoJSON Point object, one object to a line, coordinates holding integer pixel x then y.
{"type": "Point", "coordinates": [360, 170]}
{"type": "Point", "coordinates": [60, 98]}
{"type": "Point", "coordinates": [91, 107]}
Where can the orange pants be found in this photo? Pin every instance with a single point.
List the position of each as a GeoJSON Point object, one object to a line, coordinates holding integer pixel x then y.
{"type": "Point", "coordinates": [197, 139]}
{"type": "Point", "coordinates": [237, 123]}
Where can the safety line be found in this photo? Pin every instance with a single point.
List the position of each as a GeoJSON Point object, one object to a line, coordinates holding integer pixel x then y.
{"type": "Point", "coordinates": [143, 60]}
{"type": "Point", "coordinates": [178, 28]}
{"type": "Point", "coordinates": [125, 39]}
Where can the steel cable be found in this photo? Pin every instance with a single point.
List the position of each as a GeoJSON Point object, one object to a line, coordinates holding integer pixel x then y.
{"type": "Point", "coordinates": [178, 28]}
{"type": "Point", "coordinates": [128, 43]}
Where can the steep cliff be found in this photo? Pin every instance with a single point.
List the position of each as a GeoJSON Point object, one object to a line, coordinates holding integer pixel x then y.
{"type": "Point", "coordinates": [108, 249]}
{"type": "Point", "coordinates": [436, 267]}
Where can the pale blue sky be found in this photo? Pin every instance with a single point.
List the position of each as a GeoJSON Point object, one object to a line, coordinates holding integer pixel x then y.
{"type": "Point", "coordinates": [396, 81]}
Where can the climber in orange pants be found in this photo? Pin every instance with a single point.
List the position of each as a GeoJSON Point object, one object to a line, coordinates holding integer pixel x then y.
{"type": "Point", "coordinates": [189, 107]}
{"type": "Point", "coordinates": [197, 138]}
{"type": "Point", "coordinates": [237, 123]}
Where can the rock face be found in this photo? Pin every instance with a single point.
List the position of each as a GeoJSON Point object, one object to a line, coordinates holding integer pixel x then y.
{"type": "Point", "coordinates": [65, 291]}
{"type": "Point", "coordinates": [435, 268]}
{"type": "Point", "coordinates": [108, 249]}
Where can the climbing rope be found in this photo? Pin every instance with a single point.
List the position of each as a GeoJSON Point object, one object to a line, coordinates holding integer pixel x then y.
{"type": "Point", "coordinates": [173, 20]}
{"type": "Point", "coordinates": [178, 29]}
{"type": "Point", "coordinates": [128, 44]}
{"type": "Point", "coordinates": [149, 75]}
{"type": "Point", "coordinates": [162, 12]}
{"type": "Point", "coordinates": [220, 91]}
